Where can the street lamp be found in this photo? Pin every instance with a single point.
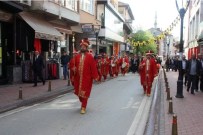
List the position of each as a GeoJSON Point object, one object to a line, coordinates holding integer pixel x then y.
{"type": "Point", "coordinates": [181, 12]}
{"type": "Point", "coordinates": [96, 30]}
{"type": "Point", "coordinates": [168, 43]}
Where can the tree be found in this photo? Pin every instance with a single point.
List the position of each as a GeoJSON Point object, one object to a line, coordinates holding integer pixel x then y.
{"type": "Point", "coordinates": [143, 41]}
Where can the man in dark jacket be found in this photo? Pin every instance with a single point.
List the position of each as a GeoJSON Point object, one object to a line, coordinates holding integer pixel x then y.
{"type": "Point", "coordinates": [65, 59]}
{"type": "Point", "coordinates": [193, 70]}
{"type": "Point", "coordinates": [38, 66]}
{"type": "Point", "coordinates": [182, 66]}
{"type": "Point", "coordinates": [134, 62]}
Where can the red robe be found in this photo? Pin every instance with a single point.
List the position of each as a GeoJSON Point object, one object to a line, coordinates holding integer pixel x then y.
{"type": "Point", "coordinates": [85, 72]}
{"type": "Point", "coordinates": [104, 68]}
{"type": "Point", "coordinates": [126, 61]}
{"type": "Point", "coordinates": [112, 67]}
{"type": "Point", "coordinates": [147, 74]}
{"type": "Point", "coordinates": [99, 68]}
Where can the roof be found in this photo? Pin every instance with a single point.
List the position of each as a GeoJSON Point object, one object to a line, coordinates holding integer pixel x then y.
{"type": "Point", "coordinates": [121, 4]}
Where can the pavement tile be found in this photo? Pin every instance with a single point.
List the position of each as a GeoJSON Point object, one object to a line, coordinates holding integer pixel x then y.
{"type": "Point", "coordinates": [189, 110]}
{"type": "Point", "coordinates": [9, 93]}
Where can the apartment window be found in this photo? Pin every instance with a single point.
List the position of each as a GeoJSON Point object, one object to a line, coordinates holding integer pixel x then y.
{"type": "Point", "coordinates": [87, 5]}
{"type": "Point", "coordinates": [197, 23]}
{"type": "Point", "coordinates": [70, 4]}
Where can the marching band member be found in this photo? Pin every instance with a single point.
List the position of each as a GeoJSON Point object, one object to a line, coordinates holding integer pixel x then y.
{"type": "Point", "coordinates": [85, 71]}
{"type": "Point", "coordinates": [124, 64]}
{"type": "Point", "coordinates": [147, 72]}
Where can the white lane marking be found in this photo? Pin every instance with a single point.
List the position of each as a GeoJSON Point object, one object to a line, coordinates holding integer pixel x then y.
{"type": "Point", "coordinates": [16, 111]}
{"type": "Point", "coordinates": [138, 117]}
{"type": "Point", "coordinates": [27, 107]}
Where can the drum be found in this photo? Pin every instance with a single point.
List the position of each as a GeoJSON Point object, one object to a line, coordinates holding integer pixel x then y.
{"type": "Point", "coordinates": [123, 65]}
{"type": "Point", "coordinates": [113, 65]}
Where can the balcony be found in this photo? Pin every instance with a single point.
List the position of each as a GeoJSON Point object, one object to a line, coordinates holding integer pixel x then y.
{"type": "Point", "coordinates": [59, 9]}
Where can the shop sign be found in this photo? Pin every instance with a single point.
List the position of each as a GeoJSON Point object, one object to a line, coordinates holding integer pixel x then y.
{"type": "Point", "coordinates": [87, 28]}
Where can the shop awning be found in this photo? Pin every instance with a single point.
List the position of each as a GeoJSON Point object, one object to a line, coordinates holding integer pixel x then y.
{"type": "Point", "coordinates": [42, 28]}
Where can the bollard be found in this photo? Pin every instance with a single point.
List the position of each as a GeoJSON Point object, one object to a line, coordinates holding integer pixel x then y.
{"type": "Point", "coordinates": [170, 106]}
{"type": "Point", "coordinates": [168, 94]}
{"type": "Point", "coordinates": [68, 82]}
{"type": "Point", "coordinates": [167, 88]}
{"type": "Point", "coordinates": [166, 84]}
{"type": "Point", "coordinates": [20, 93]}
{"type": "Point", "coordinates": [49, 86]}
{"type": "Point", "coordinates": [174, 125]}
{"type": "Point", "coordinates": [166, 79]}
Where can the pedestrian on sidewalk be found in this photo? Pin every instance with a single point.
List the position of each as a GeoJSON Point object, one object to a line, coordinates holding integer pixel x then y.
{"type": "Point", "coordinates": [65, 59]}
{"type": "Point", "coordinates": [148, 71]}
{"type": "Point", "coordinates": [84, 72]}
{"type": "Point", "coordinates": [182, 66]}
{"type": "Point", "coordinates": [201, 73]}
{"type": "Point", "coordinates": [38, 66]}
{"type": "Point", "coordinates": [193, 70]}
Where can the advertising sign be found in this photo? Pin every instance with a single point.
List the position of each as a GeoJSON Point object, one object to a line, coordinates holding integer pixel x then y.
{"type": "Point", "coordinates": [87, 28]}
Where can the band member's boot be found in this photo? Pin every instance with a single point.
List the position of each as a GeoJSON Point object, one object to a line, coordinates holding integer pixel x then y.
{"type": "Point", "coordinates": [83, 110]}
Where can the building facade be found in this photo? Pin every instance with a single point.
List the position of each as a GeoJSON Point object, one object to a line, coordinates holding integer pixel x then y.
{"type": "Point", "coordinates": [125, 10]}
{"type": "Point", "coordinates": [52, 27]}
{"type": "Point", "coordinates": [194, 27]}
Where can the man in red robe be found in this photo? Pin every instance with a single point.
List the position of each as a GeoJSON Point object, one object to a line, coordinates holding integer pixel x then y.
{"type": "Point", "coordinates": [124, 64]}
{"type": "Point", "coordinates": [84, 72]}
{"type": "Point", "coordinates": [105, 66]}
{"type": "Point", "coordinates": [99, 66]}
{"type": "Point", "coordinates": [147, 72]}
{"type": "Point", "coordinates": [112, 66]}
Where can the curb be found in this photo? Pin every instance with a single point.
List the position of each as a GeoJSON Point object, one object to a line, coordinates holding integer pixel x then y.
{"type": "Point", "coordinates": [38, 99]}
{"type": "Point", "coordinates": [140, 121]}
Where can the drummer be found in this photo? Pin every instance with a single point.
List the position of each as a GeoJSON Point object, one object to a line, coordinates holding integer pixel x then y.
{"type": "Point", "coordinates": [124, 64]}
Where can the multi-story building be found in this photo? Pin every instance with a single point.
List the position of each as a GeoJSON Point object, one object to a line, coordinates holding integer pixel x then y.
{"type": "Point", "coordinates": [193, 37]}
{"type": "Point", "coordinates": [125, 10]}
{"type": "Point", "coordinates": [111, 26]}
{"type": "Point", "coordinates": [47, 26]}
{"type": "Point", "coordinates": [54, 26]}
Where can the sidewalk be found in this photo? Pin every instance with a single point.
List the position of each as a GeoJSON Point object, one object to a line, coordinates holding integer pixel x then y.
{"type": "Point", "coordinates": [189, 110]}
{"type": "Point", "coordinates": [9, 94]}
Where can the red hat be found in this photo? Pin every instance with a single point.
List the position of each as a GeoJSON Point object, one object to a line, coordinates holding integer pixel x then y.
{"type": "Point", "coordinates": [84, 42]}
{"type": "Point", "coordinates": [149, 52]}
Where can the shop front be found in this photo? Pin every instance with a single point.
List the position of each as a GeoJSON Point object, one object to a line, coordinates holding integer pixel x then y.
{"type": "Point", "coordinates": [8, 62]}
{"type": "Point", "coordinates": [36, 34]}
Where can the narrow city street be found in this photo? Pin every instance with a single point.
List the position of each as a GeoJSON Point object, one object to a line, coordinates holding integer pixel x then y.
{"type": "Point", "coordinates": [111, 110]}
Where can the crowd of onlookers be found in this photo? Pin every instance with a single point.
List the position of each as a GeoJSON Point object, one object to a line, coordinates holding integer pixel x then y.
{"type": "Point", "coordinates": [190, 71]}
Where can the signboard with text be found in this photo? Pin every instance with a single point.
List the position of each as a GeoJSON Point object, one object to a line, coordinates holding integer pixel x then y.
{"type": "Point", "coordinates": [87, 28]}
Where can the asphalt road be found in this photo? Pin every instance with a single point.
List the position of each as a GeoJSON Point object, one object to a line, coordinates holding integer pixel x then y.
{"type": "Point", "coordinates": [111, 110]}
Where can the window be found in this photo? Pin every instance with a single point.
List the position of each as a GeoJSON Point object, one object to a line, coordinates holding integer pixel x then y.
{"type": "Point", "coordinates": [87, 5]}
{"type": "Point", "coordinates": [70, 4]}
